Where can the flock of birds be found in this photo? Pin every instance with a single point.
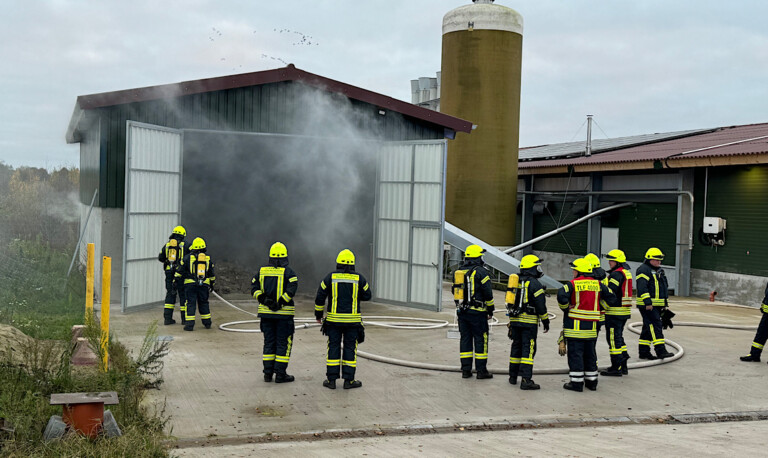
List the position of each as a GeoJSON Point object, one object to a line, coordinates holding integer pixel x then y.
{"type": "Point", "coordinates": [300, 39]}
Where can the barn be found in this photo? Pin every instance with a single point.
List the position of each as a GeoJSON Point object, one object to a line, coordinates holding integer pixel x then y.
{"type": "Point", "coordinates": [246, 160]}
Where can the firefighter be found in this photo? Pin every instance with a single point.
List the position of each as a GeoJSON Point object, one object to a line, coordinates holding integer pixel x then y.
{"type": "Point", "coordinates": [274, 286]}
{"type": "Point", "coordinates": [171, 255]}
{"type": "Point", "coordinates": [762, 334]}
{"type": "Point", "coordinates": [524, 320]}
{"type": "Point", "coordinates": [198, 275]}
{"type": "Point", "coordinates": [620, 284]}
{"type": "Point", "coordinates": [652, 300]}
{"type": "Point", "coordinates": [344, 289]}
{"type": "Point", "coordinates": [474, 311]}
{"type": "Point", "coordinates": [599, 274]}
{"type": "Point", "coordinates": [581, 300]}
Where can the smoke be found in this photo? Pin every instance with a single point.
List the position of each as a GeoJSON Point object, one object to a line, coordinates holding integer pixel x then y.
{"type": "Point", "coordinates": [313, 190]}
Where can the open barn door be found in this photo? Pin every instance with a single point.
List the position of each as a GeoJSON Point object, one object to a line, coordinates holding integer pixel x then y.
{"type": "Point", "coordinates": [153, 159]}
{"type": "Point", "coordinates": [408, 238]}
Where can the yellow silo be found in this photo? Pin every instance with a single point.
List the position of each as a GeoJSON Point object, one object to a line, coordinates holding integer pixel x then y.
{"type": "Point", "coordinates": [481, 63]}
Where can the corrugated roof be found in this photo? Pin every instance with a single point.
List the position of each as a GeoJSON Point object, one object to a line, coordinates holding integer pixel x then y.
{"type": "Point", "coordinates": [289, 73]}
{"type": "Point", "coordinates": [561, 150]}
{"type": "Point", "coordinates": [721, 142]}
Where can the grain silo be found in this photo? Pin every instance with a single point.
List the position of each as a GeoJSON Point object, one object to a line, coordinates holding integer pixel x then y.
{"type": "Point", "coordinates": [481, 63]}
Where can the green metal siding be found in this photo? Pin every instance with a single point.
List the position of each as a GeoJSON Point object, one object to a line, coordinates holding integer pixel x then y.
{"type": "Point", "coordinates": [268, 108]}
{"type": "Point", "coordinates": [571, 241]}
{"type": "Point", "coordinates": [739, 195]}
{"type": "Point", "coordinates": [648, 225]}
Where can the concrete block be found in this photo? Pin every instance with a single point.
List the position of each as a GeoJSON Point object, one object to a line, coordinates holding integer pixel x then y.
{"type": "Point", "coordinates": [55, 428]}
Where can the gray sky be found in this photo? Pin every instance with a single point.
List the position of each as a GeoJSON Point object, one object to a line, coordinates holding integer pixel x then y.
{"type": "Point", "coordinates": [638, 66]}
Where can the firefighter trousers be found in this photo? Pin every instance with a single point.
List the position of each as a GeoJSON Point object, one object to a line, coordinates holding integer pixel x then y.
{"type": "Point", "coordinates": [173, 286]}
{"type": "Point", "coordinates": [614, 334]}
{"type": "Point", "coordinates": [473, 327]}
{"type": "Point", "coordinates": [197, 297]}
{"type": "Point", "coordinates": [651, 335]}
{"type": "Point", "coordinates": [760, 337]}
{"type": "Point", "coordinates": [278, 341]}
{"type": "Point", "coordinates": [523, 350]}
{"type": "Point", "coordinates": [337, 360]}
{"type": "Point", "coordinates": [582, 361]}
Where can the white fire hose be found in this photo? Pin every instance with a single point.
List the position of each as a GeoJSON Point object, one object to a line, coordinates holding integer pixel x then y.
{"type": "Point", "coordinates": [400, 322]}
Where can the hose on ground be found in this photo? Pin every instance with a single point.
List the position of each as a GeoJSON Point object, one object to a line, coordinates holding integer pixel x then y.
{"type": "Point", "coordinates": [633, 327]}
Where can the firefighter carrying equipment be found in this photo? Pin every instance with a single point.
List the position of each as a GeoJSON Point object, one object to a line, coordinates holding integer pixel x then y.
{"type": "Point", "coordinates": [616, 255]}
{"type": "Point", "coordinates": [180, 231]}
{"type": "Point", "coordinates": [201, 265]}
{"type": "Point", "coordinates": [654, 253]}
{"type": "Point", "coordinates": [346, 257]}
{"type": "Point", "coordinates": [581, 265]}
{"type": "Point", "coordinates": [473, 251]}
{"type": "Point", "coordinates": [197, 244]}
{"type": "Point", "coordinates": [278, 250]}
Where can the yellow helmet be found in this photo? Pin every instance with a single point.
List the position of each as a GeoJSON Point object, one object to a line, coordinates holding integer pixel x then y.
{"type": "Point", "coordinates": [616, 255]}
{"type": "Point", "coordinates": [593, 259]}
{"type": "Point", "coordinates": [278, 250]}
{"type": "Point", "coordinates": [473, 251]}
{"type": "Point", "coordinates": [581, 265]}
{"type": "Point", "coordinates": [530, 260]}
{"type": "Point", "coordinates": [346, 257]}
{"type": "Point", "coordinates": [197, 244]}
{"type": "Point", "coordinates": [654, 253]}
{"type": "Point", "coordinates": [180, 231]}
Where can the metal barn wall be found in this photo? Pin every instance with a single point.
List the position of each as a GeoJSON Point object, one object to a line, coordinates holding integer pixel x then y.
{"type": "Point", "coordinates": [266, 108]}
{"type": "Point", "coordinates": [739, 195]}
{"type": "Point", "coordinates": [90, 155]}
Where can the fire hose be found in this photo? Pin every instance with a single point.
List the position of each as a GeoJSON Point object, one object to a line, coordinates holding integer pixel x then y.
{"type": "Point", "coordinates": [434, 324]}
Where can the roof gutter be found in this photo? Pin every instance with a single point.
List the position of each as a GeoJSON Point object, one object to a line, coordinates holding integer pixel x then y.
{"type": "Point", "coordinates": [709, 148]}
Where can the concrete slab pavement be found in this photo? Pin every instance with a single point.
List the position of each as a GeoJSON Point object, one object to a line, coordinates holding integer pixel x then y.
{"type": "Point", "coordinates": [214, 390]}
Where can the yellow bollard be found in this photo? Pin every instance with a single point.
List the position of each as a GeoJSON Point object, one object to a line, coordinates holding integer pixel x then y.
{"type": "Point", "coordinates": [89, 266]}
{"type": "Point", "coordinates": [106, 278]}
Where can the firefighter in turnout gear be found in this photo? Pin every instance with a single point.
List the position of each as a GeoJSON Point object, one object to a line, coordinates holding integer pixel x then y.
{"type": "Point", "coordinates": [599, 274]}
{"type": "Point", "coordinates": [198, 275]}
{"type": "Point", "coordinates": [652, 300]}
{"type": "Point", "coordinates": [524, 316]}
{"type": "Point", "coordinates": [620, 284]}
{"type": "Point", "coordinates": [274, 286]}
{"type": "Point", "coordinates": [581, 300]}
{"type": "Point", "coordinates": [762, 334]}
{"type": "Point", "coordinates": [473, 295]}
{"type": "Point", "coordinates": [171, 255]}
{"type": "Point", "coordinates": [343, 289]}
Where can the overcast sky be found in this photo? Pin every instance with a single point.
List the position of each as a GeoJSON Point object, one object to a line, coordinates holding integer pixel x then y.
{"type": "Point", "coordinates": [638, 66]}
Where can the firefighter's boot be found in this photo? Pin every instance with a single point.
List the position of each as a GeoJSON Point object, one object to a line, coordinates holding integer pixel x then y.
{"type": "Point", "coordinates": [484, 375]}
{"type": "Point", "coordinates": [331, 384]}
{"type": "Point", "coordinates": [284, 378]}
{"type": "Point", "coordinates": [527, 384]}
{"type": "Point", "coordinates": [574, 386]}
{"type": "Point", "coordinates": [349, 384]}
{"type": "Point", "coordinates": [750, 359]}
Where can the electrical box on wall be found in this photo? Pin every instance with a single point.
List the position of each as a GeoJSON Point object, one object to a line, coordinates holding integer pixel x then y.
{"type": "Point", "coordinates": [713, 225]}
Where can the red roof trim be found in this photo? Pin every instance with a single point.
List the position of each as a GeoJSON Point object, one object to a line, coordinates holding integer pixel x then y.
{"type": "Point", "coordinates": [289, 73]}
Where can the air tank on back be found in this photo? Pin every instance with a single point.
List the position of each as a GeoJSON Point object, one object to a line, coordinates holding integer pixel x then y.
{"type": "Point", "coordinates": [481, 64]}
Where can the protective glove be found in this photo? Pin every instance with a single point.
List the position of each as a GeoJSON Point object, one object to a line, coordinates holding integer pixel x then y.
{"type": "Point", "coordinates": [509, 330]}
{"type": "Point", "coordinates": [318, 315]}
{"type": "Point", "coordinates": [561, 348]}
{"type": "Point", "coordinates": [666, 319]}
{"type": "Point", "coordinates": [211, 287]}
{"type": "Point", "coordinates": [271, 304]}
{"type": "Point", "coordinates": [545, 322]}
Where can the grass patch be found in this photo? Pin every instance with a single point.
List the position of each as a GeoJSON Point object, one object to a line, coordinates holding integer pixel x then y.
{"type": "Point", "coordinates": [38, 299]}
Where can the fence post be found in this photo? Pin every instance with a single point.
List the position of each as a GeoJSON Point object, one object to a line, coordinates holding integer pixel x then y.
{"type": "Point", "coordinates": [89, 266]}
{"type": "Point", "coordinates": [106, 278]}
